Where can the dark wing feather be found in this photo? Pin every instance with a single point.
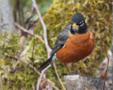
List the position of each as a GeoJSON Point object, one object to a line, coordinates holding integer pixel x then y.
{"type": "Point", "coordinates": [62, 37]}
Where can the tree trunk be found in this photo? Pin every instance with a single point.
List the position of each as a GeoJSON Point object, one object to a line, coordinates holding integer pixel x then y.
{"type": "Point", "coordinates": [6, 16]}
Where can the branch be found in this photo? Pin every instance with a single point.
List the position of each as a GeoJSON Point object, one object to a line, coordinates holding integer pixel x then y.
{"type": "Point", "coordinates": [35, 69]}
{"type": "Point", "coordinates": [25, 30]}
{"type": "Point", "coordinates": [35, 6]}
{"type": "Point", "coordinates": [23, 53]}
{"type": "Point", "coordinates": [21, 56]}
{"type": "Point", "coordinates": [63, 87]}
{"type": "Point", "coordinates": [41, 76]}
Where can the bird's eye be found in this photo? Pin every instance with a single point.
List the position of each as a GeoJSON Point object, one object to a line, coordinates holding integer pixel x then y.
{"type": "Point", "coordinates": [75, 26]}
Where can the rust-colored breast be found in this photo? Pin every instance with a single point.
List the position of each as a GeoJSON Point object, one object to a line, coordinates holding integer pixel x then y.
{"type": "Point", "coordinates": [76, 47]}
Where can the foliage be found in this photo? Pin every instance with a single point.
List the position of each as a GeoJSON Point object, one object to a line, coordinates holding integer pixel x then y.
{"type": "Point", "coordinates": [57, 16]}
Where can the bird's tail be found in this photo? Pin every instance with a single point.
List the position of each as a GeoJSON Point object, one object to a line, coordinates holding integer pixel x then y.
{"type": "Point", "coordinates": [45, 64]}
{"type": "Point", "coordinates": [50, 59]}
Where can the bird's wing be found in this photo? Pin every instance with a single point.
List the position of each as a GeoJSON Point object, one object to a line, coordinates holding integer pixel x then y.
{"type": "Point", "coordinates": [62, 37]}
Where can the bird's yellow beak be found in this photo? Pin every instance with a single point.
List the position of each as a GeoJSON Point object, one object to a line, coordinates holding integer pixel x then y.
{"type": "Point", "coordinates": [75, 26]}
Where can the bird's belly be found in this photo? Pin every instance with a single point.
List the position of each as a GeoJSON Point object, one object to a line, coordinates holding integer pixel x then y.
{"type": "Point", "coordinates": [74, 52]}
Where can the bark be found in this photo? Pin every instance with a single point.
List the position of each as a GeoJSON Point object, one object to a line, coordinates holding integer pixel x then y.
{"type": "Point", "coordinates": [6, 16]}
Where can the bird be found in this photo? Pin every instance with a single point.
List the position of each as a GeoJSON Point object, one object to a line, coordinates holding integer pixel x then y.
{"type": "Point", "coordinates": [73, 43]}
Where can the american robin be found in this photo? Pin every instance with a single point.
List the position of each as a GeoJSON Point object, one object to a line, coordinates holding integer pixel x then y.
{"type": "Point", "coordinates": [73, 43]}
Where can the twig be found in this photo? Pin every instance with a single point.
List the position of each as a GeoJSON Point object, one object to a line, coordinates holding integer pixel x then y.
{"type": "Point", "coordinates": [22, 54]}
{"type": "Point", "coordinates": [52, 83]}
{"type": "Point", "coordinates": [41, 76]}
{"type": "Point", "coordinates": [25, 30]}
{"type": "Point", "coordinates": [107, 64]}
{"type": "Point", "coordinates": [32, 56]}
{"type": "Point", "coordinates": [35, 6]}
{"type": "Point", "coordinates": [25, 50]}
{"type": "Point", "coordinates": [63, 87]}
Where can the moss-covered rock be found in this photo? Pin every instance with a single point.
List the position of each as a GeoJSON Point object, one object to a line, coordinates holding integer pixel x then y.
{"type": "Point", "coordinates": [98, 18]}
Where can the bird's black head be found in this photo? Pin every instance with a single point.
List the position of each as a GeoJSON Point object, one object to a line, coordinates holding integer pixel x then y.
{"type": "Point", "coordinates": [78, 23]}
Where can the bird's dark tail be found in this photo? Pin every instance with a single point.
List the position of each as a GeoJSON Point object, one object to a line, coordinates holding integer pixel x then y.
{"type": "Point", "coordinates": [50, 59]}
{"type": "Point", "coordinates": [45, 64]}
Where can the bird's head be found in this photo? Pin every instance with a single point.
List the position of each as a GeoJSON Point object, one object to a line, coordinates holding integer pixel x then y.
{"type": "Point", "coordinates": [78, 23]}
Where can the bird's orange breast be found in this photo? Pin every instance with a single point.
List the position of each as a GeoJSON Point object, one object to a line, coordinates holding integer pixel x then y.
{"type": "Point", "coordinates": [76, 47]}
